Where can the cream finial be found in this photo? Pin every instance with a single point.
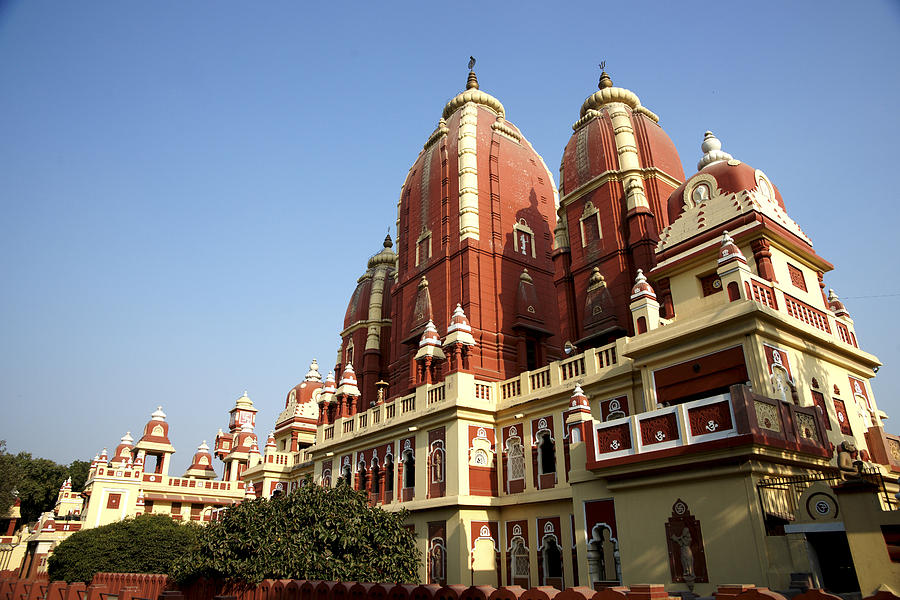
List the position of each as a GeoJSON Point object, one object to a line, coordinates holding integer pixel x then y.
{"type": "Point", "coordinates": [726, 239]}
{"type": "Point", "coordinates": [313, 373]}
{"type": "Point", "coordinates": [158, 414]}
{"type": "Point", "coordinates": [712, 151]}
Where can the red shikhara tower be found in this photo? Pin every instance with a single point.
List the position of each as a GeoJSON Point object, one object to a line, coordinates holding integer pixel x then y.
{"type": "Point", "coordinates": [617, 171]}
{"type": "Point", "coordinates": [474, 228]}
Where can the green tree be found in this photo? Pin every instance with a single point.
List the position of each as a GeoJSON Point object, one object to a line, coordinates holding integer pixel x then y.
{"type": "Point", "coordinates": [39, 483]}
{"type": "Point", "coordinates": [9, 479]}
{"type": "Point", "coordinates": [312, 533]}
{"type": "Point", "coordinates": [146, 544]}
{"type": "Point", "coordinates": [78, 470]}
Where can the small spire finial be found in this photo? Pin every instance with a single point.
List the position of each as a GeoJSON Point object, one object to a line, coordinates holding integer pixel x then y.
{"type": "Point", "coordinates": [472, 81]}
{"type": "Point", "coordinates": [605, 80]}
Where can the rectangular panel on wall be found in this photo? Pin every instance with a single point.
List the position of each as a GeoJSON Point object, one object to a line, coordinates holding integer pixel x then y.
{"type": "Point", "coordinates": [482, 461]}
{"type": "Point", "coordinates": [437, 463]}
{"type": "Point", "coordinates": [514, 459]}
{"type": "Point", "coordinates": [543, 452]}
{"type": "Point", "coordinates": [819, 400]}
{"type": "Point", "coordinates": [843, 419]}
{"type": "Point", "coordinates": [602, 542]}
{"type": "Point", "coordinates": [703, 376]}
{"type": "Point", "coordinates": [518, 563]}
{"type": "Point", "coordinates": [549, 552]}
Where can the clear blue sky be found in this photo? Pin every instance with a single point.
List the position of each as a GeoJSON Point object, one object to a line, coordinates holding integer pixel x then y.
{"type": "Point", "coordinates": [189, 190]}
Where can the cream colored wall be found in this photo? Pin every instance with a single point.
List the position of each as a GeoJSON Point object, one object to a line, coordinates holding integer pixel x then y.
{"type": "Point", "coordinates": [863, 519]}
{"type": "Point", "coordinates": [734, 548]}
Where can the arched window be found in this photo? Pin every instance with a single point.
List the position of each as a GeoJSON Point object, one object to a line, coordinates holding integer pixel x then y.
{"type": "Point", "coordinates": [363, 475]}
{"type": "Point", "coordinates": [547, 454]}
{"type": "Point", "coordinates": [552, 558]}
{"type": "Point", "coordinates": [519, 559]}
{"type": "Point", "coordinates": [480, 458]}
{"type": "Point", "coordinates": [346, 475]}
{"type": "Point", "coordinates": [348, 353]}
{"type": "Point", "coordinates": [516, 458]}
{"type": "Point", "coordinates": [409, 469]}
{"type": "Point", "coordinates": [326, 478]}
{"type": "Point", "coordinates": [376, 477]}
{"type": "Point", "coordinates": [389, 473]}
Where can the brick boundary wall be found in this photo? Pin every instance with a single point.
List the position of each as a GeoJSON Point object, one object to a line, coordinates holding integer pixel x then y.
{"type": "Point", "coordinates": [142, 586]}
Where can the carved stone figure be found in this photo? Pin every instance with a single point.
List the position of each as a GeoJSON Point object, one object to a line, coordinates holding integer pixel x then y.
{"type": "Point", "coordinates": [687, 555]}
{"type": "Point", "coordinates": [846, 459]}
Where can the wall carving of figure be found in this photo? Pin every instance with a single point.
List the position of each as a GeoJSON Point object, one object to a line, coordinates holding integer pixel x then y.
{"type": "Point", "coordinates": [687, 559]}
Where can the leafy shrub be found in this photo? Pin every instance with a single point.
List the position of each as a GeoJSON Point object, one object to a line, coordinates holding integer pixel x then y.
{"type": "Point", "coordinates": [146, 544]}
{"type": "Point", "coordinates": [312, 533]}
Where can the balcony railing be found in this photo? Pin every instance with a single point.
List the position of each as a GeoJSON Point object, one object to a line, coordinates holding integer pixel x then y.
{"type": "Point", "coordinates": [738, 414]}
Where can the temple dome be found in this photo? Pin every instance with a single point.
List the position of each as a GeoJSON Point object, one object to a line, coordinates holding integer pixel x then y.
{"type": "Point", "coordinates": [591, 151]}
{"type": "Point", "coordinates": [381, 263]}
{"type": "Point", "coordinates": [731, 177]}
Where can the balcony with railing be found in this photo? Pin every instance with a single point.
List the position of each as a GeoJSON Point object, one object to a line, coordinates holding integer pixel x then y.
{"type": "Point", "coordinates": [739, 417]}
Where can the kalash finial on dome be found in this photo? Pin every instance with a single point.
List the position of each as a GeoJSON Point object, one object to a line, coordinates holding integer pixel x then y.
{"type": "Point", "coordinates": [712, 151]}
{"type": "Point", "coordinates": [472, 82]}
{"type": "Point", "coordinates": [605, 79]}
{"type": "Point", "coordinates": [313, 373]}
{"type": "Point", "coordinates": [158, 414]}
{"type": "Point", "coordinates": [388, 242]}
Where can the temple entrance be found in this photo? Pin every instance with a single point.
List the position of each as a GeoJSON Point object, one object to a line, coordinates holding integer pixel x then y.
{"type": "Point", "coordinates": [838, 575]}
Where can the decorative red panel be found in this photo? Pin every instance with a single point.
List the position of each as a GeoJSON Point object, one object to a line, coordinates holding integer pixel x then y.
{"type": "Point", "coordinates": [657, 430]}
{"type": "Point", "coordinates": [858, 387]}
{"type": "Point", "coordinates": [797, 277]}
{"type": "Point", "coordinates": [711, 418]}
{"type": "Point", "coordinates": [819, 400]}
{"type": "Point", "coordinates": [778, 357]}
{"type": "Point", "coordinates": [614, 439]}
{"type": "Point", "coordinates": [843, 419]}
{"type": "Point", "coordinates": [615, 408]}
{"type": "Point", "coordinates": [710, 284]}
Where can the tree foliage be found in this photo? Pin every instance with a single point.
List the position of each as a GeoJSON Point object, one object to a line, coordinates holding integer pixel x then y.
{"type": "Point", "coordinates": [36, 481]}
{"type": "Point", "coordinates": [146, 544]}
{"type": "Point", "coordinates": [312, 533]}
{"type": "Point", "coordinates": [9, 479]}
